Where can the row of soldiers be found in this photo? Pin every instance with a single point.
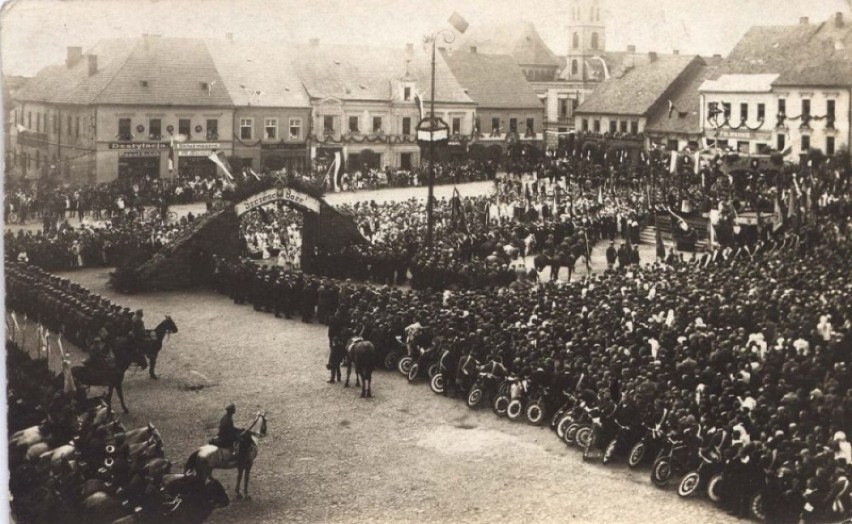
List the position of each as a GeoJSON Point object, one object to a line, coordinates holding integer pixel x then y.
{"type": "Point", "coordinates": [276, 290]}
{"type": "Point", "coordinates": [63, 306]}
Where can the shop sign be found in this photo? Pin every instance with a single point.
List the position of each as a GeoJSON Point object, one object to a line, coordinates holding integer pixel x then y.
{"type": "Point", "coordinates": [198, 152]}
{"type": "Point", "coordinates": [139, 154]}
{"type": "Point", "coordinates": [283, 145]}
{"type": "Point", "coordinates": [138, 145]}
{"type": "Point", "coordinates": [740, 135]}
{"type": "Point", "coordinates": [286, 194]}
{"type": "Point", "coordinates": [197, 145]}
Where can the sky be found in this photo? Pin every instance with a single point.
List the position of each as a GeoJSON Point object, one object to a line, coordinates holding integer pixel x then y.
{"type": "Point", "coordinates": [35, 33]}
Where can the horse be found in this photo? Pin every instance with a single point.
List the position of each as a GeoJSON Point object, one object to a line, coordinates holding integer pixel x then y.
{"type": "Point", "coordinates": [363, 354]}
{"type": "Point", "coordinates": [203, 461]}
{"type": "Point", "coordinates": [111, 376]}
{"type": "Point", "coordinates": [198, 498]}
{"type": "Point", "coordinates": [153, 342]}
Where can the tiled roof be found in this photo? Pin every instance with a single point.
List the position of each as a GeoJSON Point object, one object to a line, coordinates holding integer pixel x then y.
{"type": "Point", "coordinates": [370, 73]}
{"type": "Point", "coordinates": [245, 72]}
{"type": "Point", "coordinates": [518, 39]}
{"type": "Point", "coordinates": [174, 69]}
{"type": "Point", "coordinates": [492, 81]}
{"type": "Point", "coordinates": [634, 90]}
{"type": "Point", "coordinates": [686, 99]}
{"type": "Point", "coordinates": [63, 85]}
{"type": "Point", "coordinates": [741, 83]}
{"type": "Point", "coordinates": [804, 54]}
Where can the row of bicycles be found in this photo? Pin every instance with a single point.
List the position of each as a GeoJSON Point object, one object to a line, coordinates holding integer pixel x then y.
{"type": "Point", "coordinates": [598, 434]}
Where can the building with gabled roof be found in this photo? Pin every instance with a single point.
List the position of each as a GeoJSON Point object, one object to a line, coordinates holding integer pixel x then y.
{"type": "Point", "coordinates": [508, 111]}
{"type": "Point", "coordinates": [783, 89]}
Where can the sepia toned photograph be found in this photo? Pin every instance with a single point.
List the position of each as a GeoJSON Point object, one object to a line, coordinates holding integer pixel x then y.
{"type": "Point", "coordinates": [449, 261]}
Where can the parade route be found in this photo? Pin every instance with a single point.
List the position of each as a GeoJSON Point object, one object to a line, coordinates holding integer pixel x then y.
{"type": "Point", "coordinates": [406, 455]}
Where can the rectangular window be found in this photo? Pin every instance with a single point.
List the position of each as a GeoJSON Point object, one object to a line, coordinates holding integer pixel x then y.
{"type": "Point", "coordinates": [743, 147]}
{"type": "Point", "coordinates": [29, 120]}
{"type": "Point", "coordinates": [829, 113]}
{"type": "Point", "coordinates": [270, 128]}
{"type": "Point", "coordinates": [596, 126]}
{"type": "Point", "coordinates": [353, 124]}
{"type": "Point", "coordinates": [781, 142]}
{"type": "Point", "coordinates": [806, 107]}
{"type": "Point", "coordinates": [726, 109]}
{"type": "Point", "coordinates": [68, 126]}
{"type": "Point", "coordinates": [246, 128]}
{"type": "Point", "coordinates": [563, 107]}
{"type": "Point", "coordinates": [530, 125]}
{"type": "Point", "coordinates": [712, 108]}
{"type": "Point", "coordinates": [782, 106]}
{"type": "Point", "coordinates": [57, 123]}
{"type": "Point", "coordinates": [406, 93]}
{"type": "Point", "coordinates": [377, 124]}
{"type": "Point", "coordinates": [184, 127]}
{"type": "Point", "coordinates": [124, 129]}
{"type": "Point", "coordinates": [829, 145]}
{"type": "Point", "coordinates": [623, 126]}
{"type": "Point", "coordinates": [761, 112]}
{"type": "Point", "coordinates": [613, 126]}
{"type": "Point", "coordinates": [743, 111]}
{"type": "Point", "coordinates": [77, 126]}
{"type": "Point", "coordinates": [495, 125]}
{"type": "Point", "coordinates": [478, 125]}
{"type": "Point", "coordinates": [38, 122]}
{"type": "Point", "coordinates": [513, 125]}
{"type": "Point", "coordinates": [456, 125]}
{"type": "Point", "coordinates": [295, 128]}
{"type": "Point", "coordinates": [585, 124]}
{"type": "Point", "coordinates": [406, 125]}
{"type": "Point", "coordinates": [327, 124]}
{"type": "Point", "coordinates": [155, 128]}
{"type": "Point", "coordinates": [806, 143]}
{"type": "Point", "coordinates": [16, 117]}
{"type": "Point", "coordinates": [212, 129]}
{"type": "Point", "coordinates": [405, 160]}
{"type": "Point", "coordinates": [634, 127]}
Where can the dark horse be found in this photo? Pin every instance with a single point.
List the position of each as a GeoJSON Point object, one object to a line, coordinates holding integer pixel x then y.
{"type": "Point", "coordinates": [153, 342]}
{"type": "Point", "coordinates": [362, 353]}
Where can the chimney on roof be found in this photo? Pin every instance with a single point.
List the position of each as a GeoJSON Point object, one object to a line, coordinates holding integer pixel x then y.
{"type": "Point", "coordinates": [652, 56]}
{"type": "Point", "coordinates": [473, 49]}
{"type": "Point", "coordinates": [676, 52]}
{"type": "Point", "coordinates": [631, 49]}
{"type": "Point", "coordinates": [229, 37]}
{"type": "Point", "coordinates": [409, 48]}
{"type": "Point", "coordinates": [803, 20]}
{"type": "Point", "coordinates": [838, 19]}
{"type": "Point", "coordinates": [314, 42]}
{"type": "Point", "coordinates": [74, 54]}
{"type": "Point", "coordinates": [93, 64]}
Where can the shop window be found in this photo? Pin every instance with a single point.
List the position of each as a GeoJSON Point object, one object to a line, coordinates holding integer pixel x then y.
{"type": "Point", "coordinates": [513, 125]}
{"type": "Point", "coordinates": [495, 125]}
{"type": "Point", "coordinates": [829, 145]}
{"type": "Point", "coordinates": [246, 128]}
{"type": "Point", "coordinates": [295, 128]}
{"type": "Point", "coordinates": [530, 125]}
{"type": "Point", "coordinates": [405, 160]}
{"type": "Point", "coordinates": [124, 129]}
{"type": "Point", "coordinates": [377, 124]}
{"type": "Point", "coordinates": [634, 127]}
{"type": "Point", "coordinates": [672, 144]}
{"type": "Point", "coordinates": [781, 142]}
{"type": "Point", "coordinates": [155, 129]}
{"type": "Point", "coordinates": [353, 124]}
{"type": "Point", "coordinates": [585, 124]}
{"type": "Point", "coordinates": [806, 143]}
{"type": "Point", "coordinates": [328, 124]}
{"type": "Point", "coordinates": [613, 126]}
{"type": "Point", "coordinates": [596, 126]}
{"type": "Point", "coordinates": [743, 147]}
{"type": "Point", "coordinates": [456, 125]}
{"type": "Point", "coordinates": [185, 127]}
{"type": "Point", "coordinates": [477, 124]}
{"type": "Point", "coordinates": [623, 125]}
{"type": "Point", "coordinates": [270, 128]}
{"type": "Point", "coordinates": [212, 129]}
{"type": "Point", "coordinates": [406, 125]}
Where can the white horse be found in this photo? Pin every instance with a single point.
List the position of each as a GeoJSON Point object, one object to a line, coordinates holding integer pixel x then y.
{"type": "Point", "coordinates": [209, 457]}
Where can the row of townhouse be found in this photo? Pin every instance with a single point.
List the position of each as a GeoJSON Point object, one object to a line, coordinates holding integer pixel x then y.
{"type": "Point", "coordinates": [156, 106]}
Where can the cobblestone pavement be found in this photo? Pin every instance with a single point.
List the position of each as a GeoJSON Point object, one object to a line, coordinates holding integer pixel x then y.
{"type": "Point", "coordinates": [405, 455]}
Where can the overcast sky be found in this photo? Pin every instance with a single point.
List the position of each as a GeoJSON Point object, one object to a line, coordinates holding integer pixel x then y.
{"type": "Point", "coordinates": [34, 33]}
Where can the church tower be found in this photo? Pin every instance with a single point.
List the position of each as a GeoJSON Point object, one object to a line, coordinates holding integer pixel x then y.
{"type": "Point", "coordinates": [586, 37]}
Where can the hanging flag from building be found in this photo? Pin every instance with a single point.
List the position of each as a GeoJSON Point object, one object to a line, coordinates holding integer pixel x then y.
{"type": "Point", "coordinates": [214, 157]}
{"type": "Point", "coordinates": [418, 99]}
{"type": "Point", "coordinates": [171, 154]}
{"type": "Point", "coordinates": [458, 22]}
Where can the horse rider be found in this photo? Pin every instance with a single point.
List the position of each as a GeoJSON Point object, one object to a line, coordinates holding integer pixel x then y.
{"type": "Point", "coordinates": [140, 336]}
{"type": "Point", "coordinates": [229, 435]}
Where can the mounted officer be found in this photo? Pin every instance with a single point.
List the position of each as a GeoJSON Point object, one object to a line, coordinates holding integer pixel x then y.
{"type": "Point", "coordinates": [229, 435]}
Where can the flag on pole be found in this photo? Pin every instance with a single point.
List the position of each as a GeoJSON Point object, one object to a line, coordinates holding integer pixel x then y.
{"type": "Point", "coordinates": [21, 128]}
{"type": "Point", "coordinates": [792, 209]}
{"type": "Point", "coordinates": [68, 383]}
{"type": "Point", "coordinates": [671, 108]}
{"type": "Point", "coordinates": [458, 22]}
{"type": "Point", "coordinates": [171, 154]}
{"type": "Point", "coordinates": [333, 171]}
{"type": "Point", "coordinates": [711, 233]}
{"type": "Point", "coordinates": [252, 173]}
{"type": "Point", "coordinates": [697, 161]}
{"type": "Point", "coordinates": [418, 99]}
{"type": "Point", "coordinates": [777, 217]}
{"type": "Point", "coordinates": [673, 163]}
{"type": "Point", "coordinates": [214, 157]}
{"type": "Point", "coordinates": [600, 195]}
